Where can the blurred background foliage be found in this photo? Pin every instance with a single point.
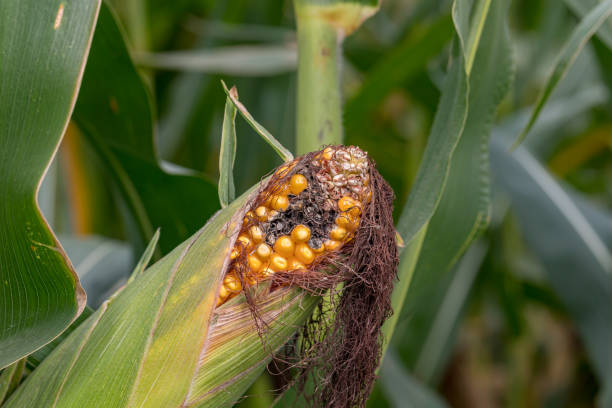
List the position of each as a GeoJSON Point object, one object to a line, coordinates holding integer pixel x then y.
{"type": "Point", "coordinates": [521, 319]}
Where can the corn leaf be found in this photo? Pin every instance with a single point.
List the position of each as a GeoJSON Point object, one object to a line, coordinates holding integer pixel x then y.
{"type": "Point", "coordinates": [262, 131]}
{"type": "Point", "coordinates": [227, 155]}
{"type": "Point", "coordinates": [43, 49]}
{"type": "Point", "coordinates": [463, 210]}
{"type": "Point", "coordinates": [582, 8]}
{"type": "Point", "coordinates": [114, 113]}
{"type": "Point", "coordinates": [580, 36]}
{"type": "Point", "coordinates": [237, 60]}
{"type": "Point", "coordinates": [568, 236]}
{"type": "Point", "coordinates": [458, 128]}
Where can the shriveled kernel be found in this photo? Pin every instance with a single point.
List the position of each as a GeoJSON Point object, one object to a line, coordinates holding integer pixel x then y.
{"type": "Point", "coordinates": [304, 254]}
{"type": "Point", "coordinates": [254, 262]}
{"type": "Point", "coordinates": [284, 246]}
{"type": "Point", "coordinates": [300, 233]}
{"type": "Point", "coordinates": [348, 221]}
{"type": "Point", "coordinates": [338, 233]}
{"type": "Point", "coordinates": [279, 202]}
{"type": "Point", "coordinates": [318, 250]}
{"type": "Point", "coordinates": [331, 244]}
{"type": "Point", "coordinates": [347, 203]}
{"type": "Point", "coordinates": [232, 283]}
{"type": "Point", "coordinates": [245, 241]}
{"type": "Point", "coordinates": [248, 217]}
{"type": "Point", "coordinates": [263, 251]}
{"type": "Point", "coordinates": [256, 233]}
{"type": "Point", "coordinates": [297, 184]}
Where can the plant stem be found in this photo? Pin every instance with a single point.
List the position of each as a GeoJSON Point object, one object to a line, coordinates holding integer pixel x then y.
{"type": "Point", "coordinates": [319, 114]}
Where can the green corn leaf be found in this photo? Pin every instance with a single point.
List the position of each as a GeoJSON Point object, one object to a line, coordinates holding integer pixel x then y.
{"type": "Point", "coordinates": [458, 127]}
{"type": "Point", "coordinates": [568, 235]}
{"type": "Point", "coordinates": [43, 47]}
{"type": "Point", "coordinates": [465, 199]}
{"type": "Point", "coordinates": [10, 378]}
{"type": "Point", "coordinates": [227, 155]}
{"type": "Point", "coordinates": [114, 113]}
{"type": "Point", "coordinates": [582, 8]}
{"type": "Point", "coordinates": [160, 342]}
{"type": "Point", "coordinates": [267, 136]}
{"type": "Point", "coordinates": [146, 257]}
{"type": "Point", "coordinates": [581, 34]}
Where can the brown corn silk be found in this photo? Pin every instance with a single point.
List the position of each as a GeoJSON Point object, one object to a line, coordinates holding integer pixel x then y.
{"type": "Point", "coordinates": [339, 348]}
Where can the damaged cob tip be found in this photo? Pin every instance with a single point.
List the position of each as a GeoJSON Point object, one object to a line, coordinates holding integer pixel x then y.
{"type": "Point", "coordinates": [324, 222]}
{"type": "Point", "coordinates": [312, 208]}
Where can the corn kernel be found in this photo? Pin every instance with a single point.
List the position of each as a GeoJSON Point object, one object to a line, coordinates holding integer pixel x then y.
{"type": "Point", "coordinates": [263, 251]}
{"type": "Point", "coordinates": [267, 272]}
{"type": "Point", "coordinates": [297, 184]}
{"type": "Point", "coordinates": [235, 253]}
{"type": "Point", "coordinates": [331, 244]}
{"type": "Point", "coordinates": [279, 202]}
{"type": "Point", "coordinates": [232, 283]}
{"type": "Point", "coordinates": [295, 265]}
{"type": "Point", "coordinates": [278, 263]}
{"type": "Point", "coordinates": [300, 233]}
{"type": "Point", "coordinates": [262, 213]}
{"type": "Point", "coordinates": [256, 233]}
{"type": "Point", "coordinates": [347, 203]}
{"type": "Point", "coordinates": [338, 233]}
{"type": "Point", "coordinates": [223, 292]}
{"type": "Point", "coordinates": [284, 246]}
{"type": "Point", "coordinates": [304, 254]}
{"type": "Point", "coordinates": [248, 217]}
{"type": "Point", "coordinates": [254, 262]}
{"type": "Point", "coordinates": [348, 221]}
{"type": "Point", "coordinates": [245, 241]}
{"type": "Point", "coordinates": [318, 250]}
{"type": "Point", "coordinates": [328, 153]}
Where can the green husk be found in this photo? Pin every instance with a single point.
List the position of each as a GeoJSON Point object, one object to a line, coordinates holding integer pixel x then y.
{"type": "Point", "coordinates": [160, 341]}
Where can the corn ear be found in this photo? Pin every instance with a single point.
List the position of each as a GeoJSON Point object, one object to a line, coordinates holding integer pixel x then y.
{"type": "Point", "coordinates": [160, 342]}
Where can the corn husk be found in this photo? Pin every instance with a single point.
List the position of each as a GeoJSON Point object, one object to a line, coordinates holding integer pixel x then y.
{"type": "Point", "coordinates": [161, 342]}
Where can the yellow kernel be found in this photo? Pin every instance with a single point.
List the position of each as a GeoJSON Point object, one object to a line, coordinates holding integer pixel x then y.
{"type": "Point", "coordinates": [284, 246]}
{"type": "Point", "coordinates": [235, 253]}
{"type": "Point", "coordinates": [267, 272]}
{"type": "Point", "coordinates": [278, 263]}
{"type": "Point", "coordinates": [285, 168]}
{"type": "Point", "coordinates": [254, 262]}
{"type": "Point", "coordinates": [295, 265]}
{"type": "Point", "coordinates": [338, 233]}
{"type": "Point", "coordinates": [279, 202]}
{"type": "Point", "coordinates": [300, 233]}
{"type": "Point", "coordinates": [262, 213]}
{"type": "Point", "coordinates": [346, 203]}
{"type": "Point", "coordinates": [304, 254]}
{"type": "Point", "coordinates": [297, 184]}
{"type": "Point", "coordinates": [245, 241]}
{"type": "Point", "coordinates": [348, 221]}
{"type": "Point", "coordinates": [318, 250]}
{"type": "Point", "coordinates": [223, 292]}
{"type": "Point", "coordinates": [256, 233]}
{"type": "Point", "coordinates": [232, 283]}
{"type": "Point", "coordinates": [328, 153]}
{"type": "Point", "coordinates": [248, 217]}
{"type": "Point", "coordinates": [263, 251]}
{"type": "Point", "coordinates": [331, 245]}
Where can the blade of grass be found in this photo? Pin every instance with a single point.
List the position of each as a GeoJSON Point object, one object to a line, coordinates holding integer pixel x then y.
{"type": "Point", "coordinates": [284, 154]}
{"type": "Point", "coordinates": [227, 155]}
{"type": "Point", "coordinates": [146, 257]}
{"type": "Point", "coordinates": [574, 45]}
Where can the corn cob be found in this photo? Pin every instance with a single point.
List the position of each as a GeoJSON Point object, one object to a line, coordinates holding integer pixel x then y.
{"type": "Point", "coordinates": [311, 209]}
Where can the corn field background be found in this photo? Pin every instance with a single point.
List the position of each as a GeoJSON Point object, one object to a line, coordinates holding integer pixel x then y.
{"type": "Point", "coordinates": [490, 119]}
